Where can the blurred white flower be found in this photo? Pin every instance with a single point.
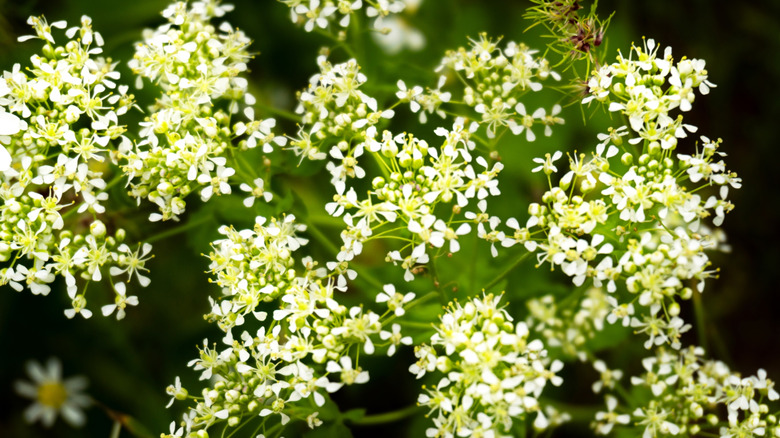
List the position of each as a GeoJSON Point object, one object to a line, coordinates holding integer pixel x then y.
{"type": "Point", "coordinates": [397, 34]}
{"type": "Point", "coordinates": [53, 395]}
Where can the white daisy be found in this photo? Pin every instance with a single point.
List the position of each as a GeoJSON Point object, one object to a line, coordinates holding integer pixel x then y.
{"type": "Point", "coordinates": [52, 395]}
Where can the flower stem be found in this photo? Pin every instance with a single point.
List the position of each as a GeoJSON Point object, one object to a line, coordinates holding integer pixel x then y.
{"type": "Point", "coordinates": [123, 420]}
{"type": "Point", "coordinates": [116, 429]}
{"type": "Point", "coordinates": [192, 223]}
{"type": "Point", "coordinates": [279, 112]}
{"type": "Point", "coordinates": [388, 417]}
{"type": "Point", "coordinates": [701, 327]}
{"type": "Point", "coordinates": [503, 275]}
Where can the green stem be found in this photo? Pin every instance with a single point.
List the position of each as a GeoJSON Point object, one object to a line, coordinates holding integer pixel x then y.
{"type": "Point", "coordinates": [177, 230]}
{"type": "Point", "coordinates": [122, 420]}
{"type": "Point", "coordinates": [388, 417]}
{"type": "Point", "coordinates": [473, 265]}
{"type": "Point", "coordinates": [114, 181]}
{"type": "Point", "coordinates": [321, 237]}
{"type": "Point", "coordinates": [718, 345]}
{"type": "Point", "coordinates": [435, 278]}
{"type": "Point", "coordinates": [416, 324]}
{"type": "Point", "coordinates": [279, 112]}
{"type": "Point", "coordinates": [422, 299]}
{"type": "Point", "coordinates": [338, 43]}
{"type": "Point", "coordinates": [701, 327]}
{"type": "Point", "coordinates": [357, 37]}
{"type": "Point", "coordinates": [268, 431]}
{"type": "Point", "coordinates": [382, 165]}
{"type": "Point", "coordinates": [235, 430]}
{"type": "Point", "coordinates": [509, 270]}
{"type": "Point", "coordinates": [625, 394]}
{"type": "Point", "coordinates": [326, 220]}
{"type": "Point", "coordinates": [116, 429]}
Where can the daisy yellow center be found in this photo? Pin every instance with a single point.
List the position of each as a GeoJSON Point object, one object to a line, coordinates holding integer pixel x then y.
{"type": "Point", "coordinates": [52, 394]}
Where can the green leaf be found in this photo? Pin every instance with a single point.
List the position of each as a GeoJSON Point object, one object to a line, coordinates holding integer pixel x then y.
{"type": "Point", "coordinates": [329, 411]}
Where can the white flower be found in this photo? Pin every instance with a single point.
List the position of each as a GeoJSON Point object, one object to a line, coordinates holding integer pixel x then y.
{"type": "Point", "coordinates": [258, 191]}
{"type": "Point", "coordinates": [765, 384]}
{"type": "Point", "coordinates": [348, 374]}
{"type": "Point", "coordinates": [397, 35]}
{"type": "Point", "coordinates": [52, 394]}
{"type": "Point", "coordinates": [9, 125]}
{"type": "Point", "coordinates": [607, 377]}
{"type": "Point", "coordinates": [176, 392]}
{"type": "Point", "coordinates": [606, 420]}
{"type": "Point", "coordinates": [395, 337]}
{"type": "Point", "coordinates": [42, 29]}
{"type": "Point", "coordinates": [315, 15]}
{"type": "Point", "coordinates": [546, 163]}
{"type": "Point", "coordinates": [217, 184]}
{"type": "Point", "coordinates": [526, 121]}
{"type": "Point", "coordinates": [121, 302]}
{"type": "Point", "coordinates": [395, 300]}
{"type": "Point", "coordinates": [133, 262]}
{"type": "Point", "coordinates": [409, 95]}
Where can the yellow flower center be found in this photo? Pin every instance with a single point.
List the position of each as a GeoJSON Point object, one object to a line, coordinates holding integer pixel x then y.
{"type": "Point", "coordinates": [52, 394]}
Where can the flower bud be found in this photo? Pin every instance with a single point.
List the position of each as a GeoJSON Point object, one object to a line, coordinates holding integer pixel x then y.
{"type": "Point", "coordinates": [97, 229]}
{"type": "Point", "coordinates": [654, 148]}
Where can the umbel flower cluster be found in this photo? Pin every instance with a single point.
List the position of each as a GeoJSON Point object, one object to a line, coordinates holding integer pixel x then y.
{"type": "Point", "coordinates": [310, 347]}
{"type": "Point", "coordinates": [421, 199]}
{"type": "Point", "coordinates": [59, 132]}
{"type": "Point", "coordinates": [192, 127]}
{"type": "Point", "coordinates": [334, 16]}
{"type": "Point", "coordinates": [567, 325]}
{"type": "Point", "coordinates": [687, 395]}
{"type": "Point", "coordinates": [632, 217]}
{"type": "Point", "coordinates": [416, 178]}
{"type": "Point", "coordinates": [493, 373]}
{"type": "Point", "coordinates": [631, 224]}
{"type": "Point", "coordinates": [337, 118]}
{"type": "Point", "coordinates": [494, 81]}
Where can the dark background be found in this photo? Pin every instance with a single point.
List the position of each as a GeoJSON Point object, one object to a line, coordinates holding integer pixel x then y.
{"type": "Point", "coordinates": [129, 363]}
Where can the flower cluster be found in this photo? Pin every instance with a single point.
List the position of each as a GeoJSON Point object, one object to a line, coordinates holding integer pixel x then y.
{"type": "Point", "coordinates": [688, 395]}
{"type": "Point", "coordinates": [185, 141]}
{"type": "Point", "coordinates": [567, 325]}
{"type": "Point", "coordinates": [58, 125]}
{"type": "Point", "coordinates": [337, 117]}
{"type": "Point", "coordinates": [310, 348]}
{"type": "Point", "coordinates": [651, 204]}
{"type": "Point", "coordinates": [322, 14]}
{"type": "Point", "coordinates": [416, 177]}
{"type": "Point", "coordinates": [421, 199]}
{"type": "Point", "coordinates": [495, 81]}
{"type": "Point", "coordinates": [493, 372]}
